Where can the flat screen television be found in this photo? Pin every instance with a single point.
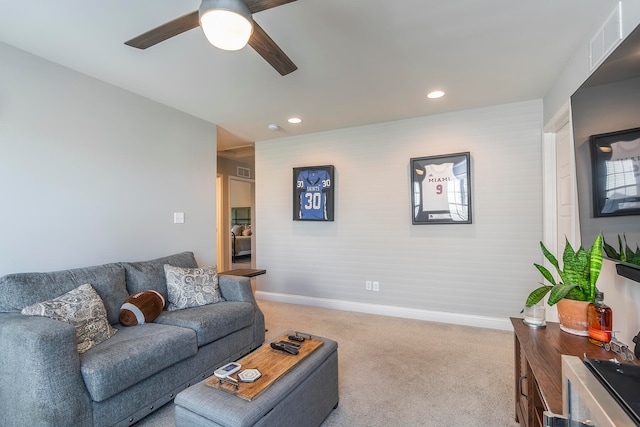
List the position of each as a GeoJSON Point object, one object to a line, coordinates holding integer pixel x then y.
{"type": "Point", "coordinates": [605, 114]}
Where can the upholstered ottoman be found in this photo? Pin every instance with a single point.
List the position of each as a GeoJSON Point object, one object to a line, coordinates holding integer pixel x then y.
{"type": "Point", "coordinates": [302, 397]}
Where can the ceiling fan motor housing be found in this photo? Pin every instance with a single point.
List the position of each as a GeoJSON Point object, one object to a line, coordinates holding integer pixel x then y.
{"type": "Point", "coordinates": [245, 31]}
{"type": "Point", "coordinates": [227, 24]}
{"type": "Point", "coordinates": [236, 6]}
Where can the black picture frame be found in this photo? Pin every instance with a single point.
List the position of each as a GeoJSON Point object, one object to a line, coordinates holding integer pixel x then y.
{"type": "Point", "coordinates": [615, 166]}
{"type": "Point", "coordinates": [441, 189]}
{"type": "Point", "coordinates": [313, 193]}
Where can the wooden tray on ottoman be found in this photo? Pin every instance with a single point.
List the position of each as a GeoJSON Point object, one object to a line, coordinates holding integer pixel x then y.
{"type": "Point", "coordinates": [271, 363]}
{"type": "Point", "coordinates": [306, 395]}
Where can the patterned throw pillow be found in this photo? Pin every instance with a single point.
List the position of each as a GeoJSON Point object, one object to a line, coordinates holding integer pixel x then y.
{"type": "Point", "coordinates": [191, 287]}
{"type": "Point", "coordinates": [81, 307]}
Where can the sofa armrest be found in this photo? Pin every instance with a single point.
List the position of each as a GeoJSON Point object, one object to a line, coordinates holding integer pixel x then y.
{"type": "Point", "coordinates": [40, 379]}
{"type": "Point", "coordinates": [238, 288]}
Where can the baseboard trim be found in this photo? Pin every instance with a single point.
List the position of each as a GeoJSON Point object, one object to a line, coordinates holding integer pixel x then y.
{"type": "Point", "coordinates": [389, 310]}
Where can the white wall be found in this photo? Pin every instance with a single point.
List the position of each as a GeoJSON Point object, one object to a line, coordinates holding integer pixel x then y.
{"type": "Point", "coordinates": [478, 274]}
{"type": "Point", "coordinates": [240, 193]}
{"type": "Point", "coordinates": [577, 69]}
{"type": "Point", "coordinates": [90, 173]}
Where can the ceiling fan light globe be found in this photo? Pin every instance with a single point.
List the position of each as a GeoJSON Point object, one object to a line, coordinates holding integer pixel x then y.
{"type": "Point", "coordinates": [227, 24]}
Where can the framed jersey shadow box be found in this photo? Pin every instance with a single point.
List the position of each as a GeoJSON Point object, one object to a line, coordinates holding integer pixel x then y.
{"type": "Point", "coordinates": [313, 195]}
{"type": "Point", "coordinates": [441, 189]}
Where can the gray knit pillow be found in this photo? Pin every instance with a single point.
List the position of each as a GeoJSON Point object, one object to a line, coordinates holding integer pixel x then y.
{"type": "Point", "coordinates": [191, 287]}
{"type": "Point", "coordinates": [81, 307]}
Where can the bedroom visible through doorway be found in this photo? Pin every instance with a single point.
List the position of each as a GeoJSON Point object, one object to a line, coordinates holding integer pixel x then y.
{"type": "Point", "coordinates": [242, 242]}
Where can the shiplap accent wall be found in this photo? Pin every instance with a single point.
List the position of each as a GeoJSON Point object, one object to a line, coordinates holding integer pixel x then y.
{"type": "Point", "coordinates": [476, 274]}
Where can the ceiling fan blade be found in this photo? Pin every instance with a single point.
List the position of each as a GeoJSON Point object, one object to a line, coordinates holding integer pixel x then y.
{"type": "Point", "coordinates": [165, 31]}
{"type": "Point", "coordinates": [270, 51]}
{"type": "Point", "coordinates": [260, 5]}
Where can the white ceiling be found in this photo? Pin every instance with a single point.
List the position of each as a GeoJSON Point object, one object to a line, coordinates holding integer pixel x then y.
{"type": "Point", "coordinates": [359, 61]}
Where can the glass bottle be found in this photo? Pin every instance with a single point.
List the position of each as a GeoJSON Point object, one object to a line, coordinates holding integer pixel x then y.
{"type": "Point", "coordinates": [600, 321]}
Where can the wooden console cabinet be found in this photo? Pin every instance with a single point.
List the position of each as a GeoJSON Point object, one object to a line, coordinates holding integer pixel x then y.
{"type": "Point", "coordinates": [538, 368]}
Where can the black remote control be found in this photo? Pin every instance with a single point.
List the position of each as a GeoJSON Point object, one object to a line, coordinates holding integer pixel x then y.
{"type": "Point", "coordinates": [288, 349]}
{"type": "Point", "coordinates": [291, 344]}
{"type": "Point", "coordinates": [296, 338]}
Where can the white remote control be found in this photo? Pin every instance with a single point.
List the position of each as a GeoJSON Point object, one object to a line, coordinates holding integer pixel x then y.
{"type": "Point", "coordinates": [226, 370]}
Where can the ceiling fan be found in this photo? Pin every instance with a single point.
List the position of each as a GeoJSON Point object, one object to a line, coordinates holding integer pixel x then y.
{"type": "Point", "coordinates": [209, 16]}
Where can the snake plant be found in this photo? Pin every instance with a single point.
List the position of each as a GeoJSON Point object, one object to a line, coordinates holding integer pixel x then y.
{"type": "Point", "coordinates": [624, 255]}
{"type": "Point", "coordinates": [578, 275]}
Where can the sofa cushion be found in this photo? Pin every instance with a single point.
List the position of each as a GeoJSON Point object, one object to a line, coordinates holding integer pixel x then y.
{"type": "Point", "coordinates": [211, 322]}
{"type": "Point", "coordinates": [83, 309]}
{"type": "Point", "coordinates": [20, 290]}
{"type": "Point", "coordinates": [149, 275]}
{"type": "Point", "coordinates": [133, 354]}
{"type": "Point", "coordinates": [191, 287]}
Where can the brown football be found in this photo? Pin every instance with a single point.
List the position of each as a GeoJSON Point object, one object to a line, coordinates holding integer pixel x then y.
{"type": "Point", "coordinates": [140, 308]}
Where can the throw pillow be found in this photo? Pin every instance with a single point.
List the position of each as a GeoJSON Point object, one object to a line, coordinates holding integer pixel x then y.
{"type": "Point", "coordinates": [149, 275]}
{"type": "Point", "coordinates": [191, 287]}
{"type": "Point", "coordinates": [81, 307]}
{"type": "Point", "coordinates": [237, 229]}
{"type": "Point", "coordinates": [142, 307]}
{"type": "Point", "coordinates": [246, 232]}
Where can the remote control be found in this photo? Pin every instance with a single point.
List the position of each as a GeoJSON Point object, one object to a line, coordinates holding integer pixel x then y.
{"type": "Point", "coordinates": [291, 344]}
{"type": "Point", "coordinates": [226, 370]}
{"type": "Point", "coordinates": [288, 349]}
{"type": "Point", "coordinates": [296, 338]}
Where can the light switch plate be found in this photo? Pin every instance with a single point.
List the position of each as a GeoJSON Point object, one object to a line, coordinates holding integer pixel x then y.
{"type": "Point", "coordinates": [178, 217]}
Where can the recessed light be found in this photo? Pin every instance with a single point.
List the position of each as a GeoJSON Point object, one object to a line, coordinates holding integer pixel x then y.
{"type": "Point", "coordinates": [294, 120]}
{"type": "Point", "coordinates": [435, 94]}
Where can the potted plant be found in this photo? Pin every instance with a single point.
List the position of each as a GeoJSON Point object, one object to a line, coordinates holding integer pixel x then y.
{"type": "Point", "coordinates": [576, 287]}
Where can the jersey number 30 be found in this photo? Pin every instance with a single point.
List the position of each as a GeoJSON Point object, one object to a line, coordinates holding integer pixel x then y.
{"type": "Point", "coordinates": [314, 201]}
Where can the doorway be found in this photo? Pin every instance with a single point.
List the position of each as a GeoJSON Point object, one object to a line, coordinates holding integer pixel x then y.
{"type": "Point", "coordinates": [559, 188]}
{"type": "Point", "coordinates": [241, 214]}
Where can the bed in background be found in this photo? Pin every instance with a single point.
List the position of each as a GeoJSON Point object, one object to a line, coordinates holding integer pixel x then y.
{"type": "Point", "coordinates": [241, 235]}
{"type": "Point", "coordinates": [241, 232]}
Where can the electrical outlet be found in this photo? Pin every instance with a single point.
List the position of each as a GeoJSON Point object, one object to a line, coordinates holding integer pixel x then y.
{"type": "Point", "coordinates": [367, 285]}
{"type": "Point", "coordinates": [376, 286]}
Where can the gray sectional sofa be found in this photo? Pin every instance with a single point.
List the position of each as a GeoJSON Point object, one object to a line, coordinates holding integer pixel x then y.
{"type": "Point", "coordinates": [44, 381]}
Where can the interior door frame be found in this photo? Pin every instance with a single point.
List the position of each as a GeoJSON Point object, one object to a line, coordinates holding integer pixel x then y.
{"type": "Point", "coordinates": [219, 222]}
{"type": "Point", "coordinates": [227, 210]}
{"type": "Point", "coordinates": [550, 188]}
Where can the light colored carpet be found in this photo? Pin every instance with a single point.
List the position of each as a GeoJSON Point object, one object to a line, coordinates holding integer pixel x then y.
{"type": "Point", "coordinates": [403, 372]}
